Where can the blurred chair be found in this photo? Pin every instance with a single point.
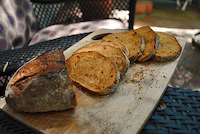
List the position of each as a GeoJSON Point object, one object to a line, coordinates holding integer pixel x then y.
{"type": "Point", "coordinates": [51, 12]}
{"type": "Point", "coordinates": [80, 16]}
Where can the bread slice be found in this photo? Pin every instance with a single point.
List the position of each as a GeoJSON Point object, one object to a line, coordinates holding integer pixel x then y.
{"type": "Point", "coordinates": [151, 41]}
{"type": "Point", "coordinates": [94, 72]}
{"type": "Point", "coordinates": [133, 41]}
{"type": "Point", "coordinates": [114, 54]}
{"type": "Point", "coordinates": [41, 85]}
{"type": "Point", "coordinates": [168, 49]}
{"type": "Point", "coordinates": [116, 45]}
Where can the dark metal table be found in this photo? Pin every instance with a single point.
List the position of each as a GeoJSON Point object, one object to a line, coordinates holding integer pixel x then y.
{"type": "Point", "coordinates": [177, 112]}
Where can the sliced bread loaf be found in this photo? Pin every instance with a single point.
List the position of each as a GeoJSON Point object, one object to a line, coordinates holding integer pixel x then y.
{"type": "Point", "coordinates": [168, 49]}
{"type": "Point", "coordinates": [94, 72]}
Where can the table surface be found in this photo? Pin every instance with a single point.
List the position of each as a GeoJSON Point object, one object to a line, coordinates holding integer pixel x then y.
{"type": "Point", "coordinates": [177, 112]}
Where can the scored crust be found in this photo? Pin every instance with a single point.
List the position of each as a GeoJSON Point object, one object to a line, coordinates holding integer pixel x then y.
{"type": "Point", "coordinates": [151, 41]}
{"type": "Point", "coordinates": [130, 39]}
{"type": "Point", "coordinates": [114, 54]}
{"type": "Point", "coordinates": [168, 49]}
{"type": "Point", "coordinates": [94, 72]}
{"type": "Point", "coordinates": [39, 65]}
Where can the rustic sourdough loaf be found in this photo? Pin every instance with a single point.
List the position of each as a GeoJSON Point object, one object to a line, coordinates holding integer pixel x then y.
{"type": "Point", "coordinates": [151, 41]}
{"type": "Point", "coordinates": [94, 72]}
{"type": "Point", "coordinates": [114, 54]}
{"type": "Point", "coordinates": [168, 49]}
{"type": "Point", "coordinates": [133, 41]}
{"type": "Point", "coordinates": [41, 85]}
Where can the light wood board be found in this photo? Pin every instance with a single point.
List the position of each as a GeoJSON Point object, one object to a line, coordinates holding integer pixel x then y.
{"type": "Point", "coordinates": [125, 111]}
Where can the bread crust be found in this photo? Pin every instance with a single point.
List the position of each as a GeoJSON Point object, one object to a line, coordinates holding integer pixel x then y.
{"type": "Point", "coordinates": [168, 49]}
{"type": "Point", "coordinates": [94, 72]}
{"type": "Point", "coordinates": [114, 54]}
{"type": "Point", "coordinates": [41, 85]}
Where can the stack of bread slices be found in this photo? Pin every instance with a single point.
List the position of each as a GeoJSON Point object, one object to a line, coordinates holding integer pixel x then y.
{"type": "Point", "coordinates": [139, 45]}
{"type": "Point", "coordinates": [96, 67]}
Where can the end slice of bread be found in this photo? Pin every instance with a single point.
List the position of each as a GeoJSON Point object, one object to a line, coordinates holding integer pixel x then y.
{"type": "Point", "coordinates": [94, 72]}
{"type": "Point", "coordinates": [168, 49]}
{"type": "Point", "coordinates": [151, 41]}
{"type": "Point", "coordinates": [115, 54]}
{"type": "Point", "coordinates": [130, 39]}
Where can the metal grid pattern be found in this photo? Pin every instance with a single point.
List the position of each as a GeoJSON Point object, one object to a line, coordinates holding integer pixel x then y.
{"type": "Point", "coordinates": [181, 115]}
{"type": "Point", "coordinates": [71, 11]}
{"type": "Point", "coordinates": [18, 57]}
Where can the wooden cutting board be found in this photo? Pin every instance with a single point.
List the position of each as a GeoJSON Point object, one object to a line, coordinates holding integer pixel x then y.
{"type": "Point", "coordinates": [125, 111]}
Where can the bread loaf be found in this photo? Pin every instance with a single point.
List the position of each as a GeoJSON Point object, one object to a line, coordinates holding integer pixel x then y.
{"type": "Point", "coordinates": [41, 85]}
{"type": "Point", "coordinates": [93, 71]}
{"type": "Point", "coordinates": [114, 54]}
{"type": "Point", "coordinates": [168, 49]}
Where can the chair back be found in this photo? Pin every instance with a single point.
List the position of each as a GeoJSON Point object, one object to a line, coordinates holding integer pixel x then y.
{"type": "Point", "coordinates": [51, 12]}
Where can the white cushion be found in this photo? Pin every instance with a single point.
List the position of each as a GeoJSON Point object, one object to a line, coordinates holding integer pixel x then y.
{"type": "Point", "coordinates": [57, 31]}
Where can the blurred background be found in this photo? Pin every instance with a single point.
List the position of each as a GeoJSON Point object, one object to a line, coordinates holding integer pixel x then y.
{"type": "Point", "coordinates": [167, 13]}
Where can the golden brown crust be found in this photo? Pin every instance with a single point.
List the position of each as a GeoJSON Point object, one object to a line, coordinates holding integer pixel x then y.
{"type": "Point", "coordinates": [114, 54]}
{"type": "Point", "coordinates": [94, 72]}
{"type": "Point", "coordinates": [130, 39]}
{"type": "Point", "coordinates": [47, 62]}
{"type": "Point", "coordinates": [168, 49]}
{"type": "Point", "coordinates": [150, 38]}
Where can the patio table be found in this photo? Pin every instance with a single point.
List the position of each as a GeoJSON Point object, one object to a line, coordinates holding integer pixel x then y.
{"type": "Point", "coordinates": [177, 112]}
